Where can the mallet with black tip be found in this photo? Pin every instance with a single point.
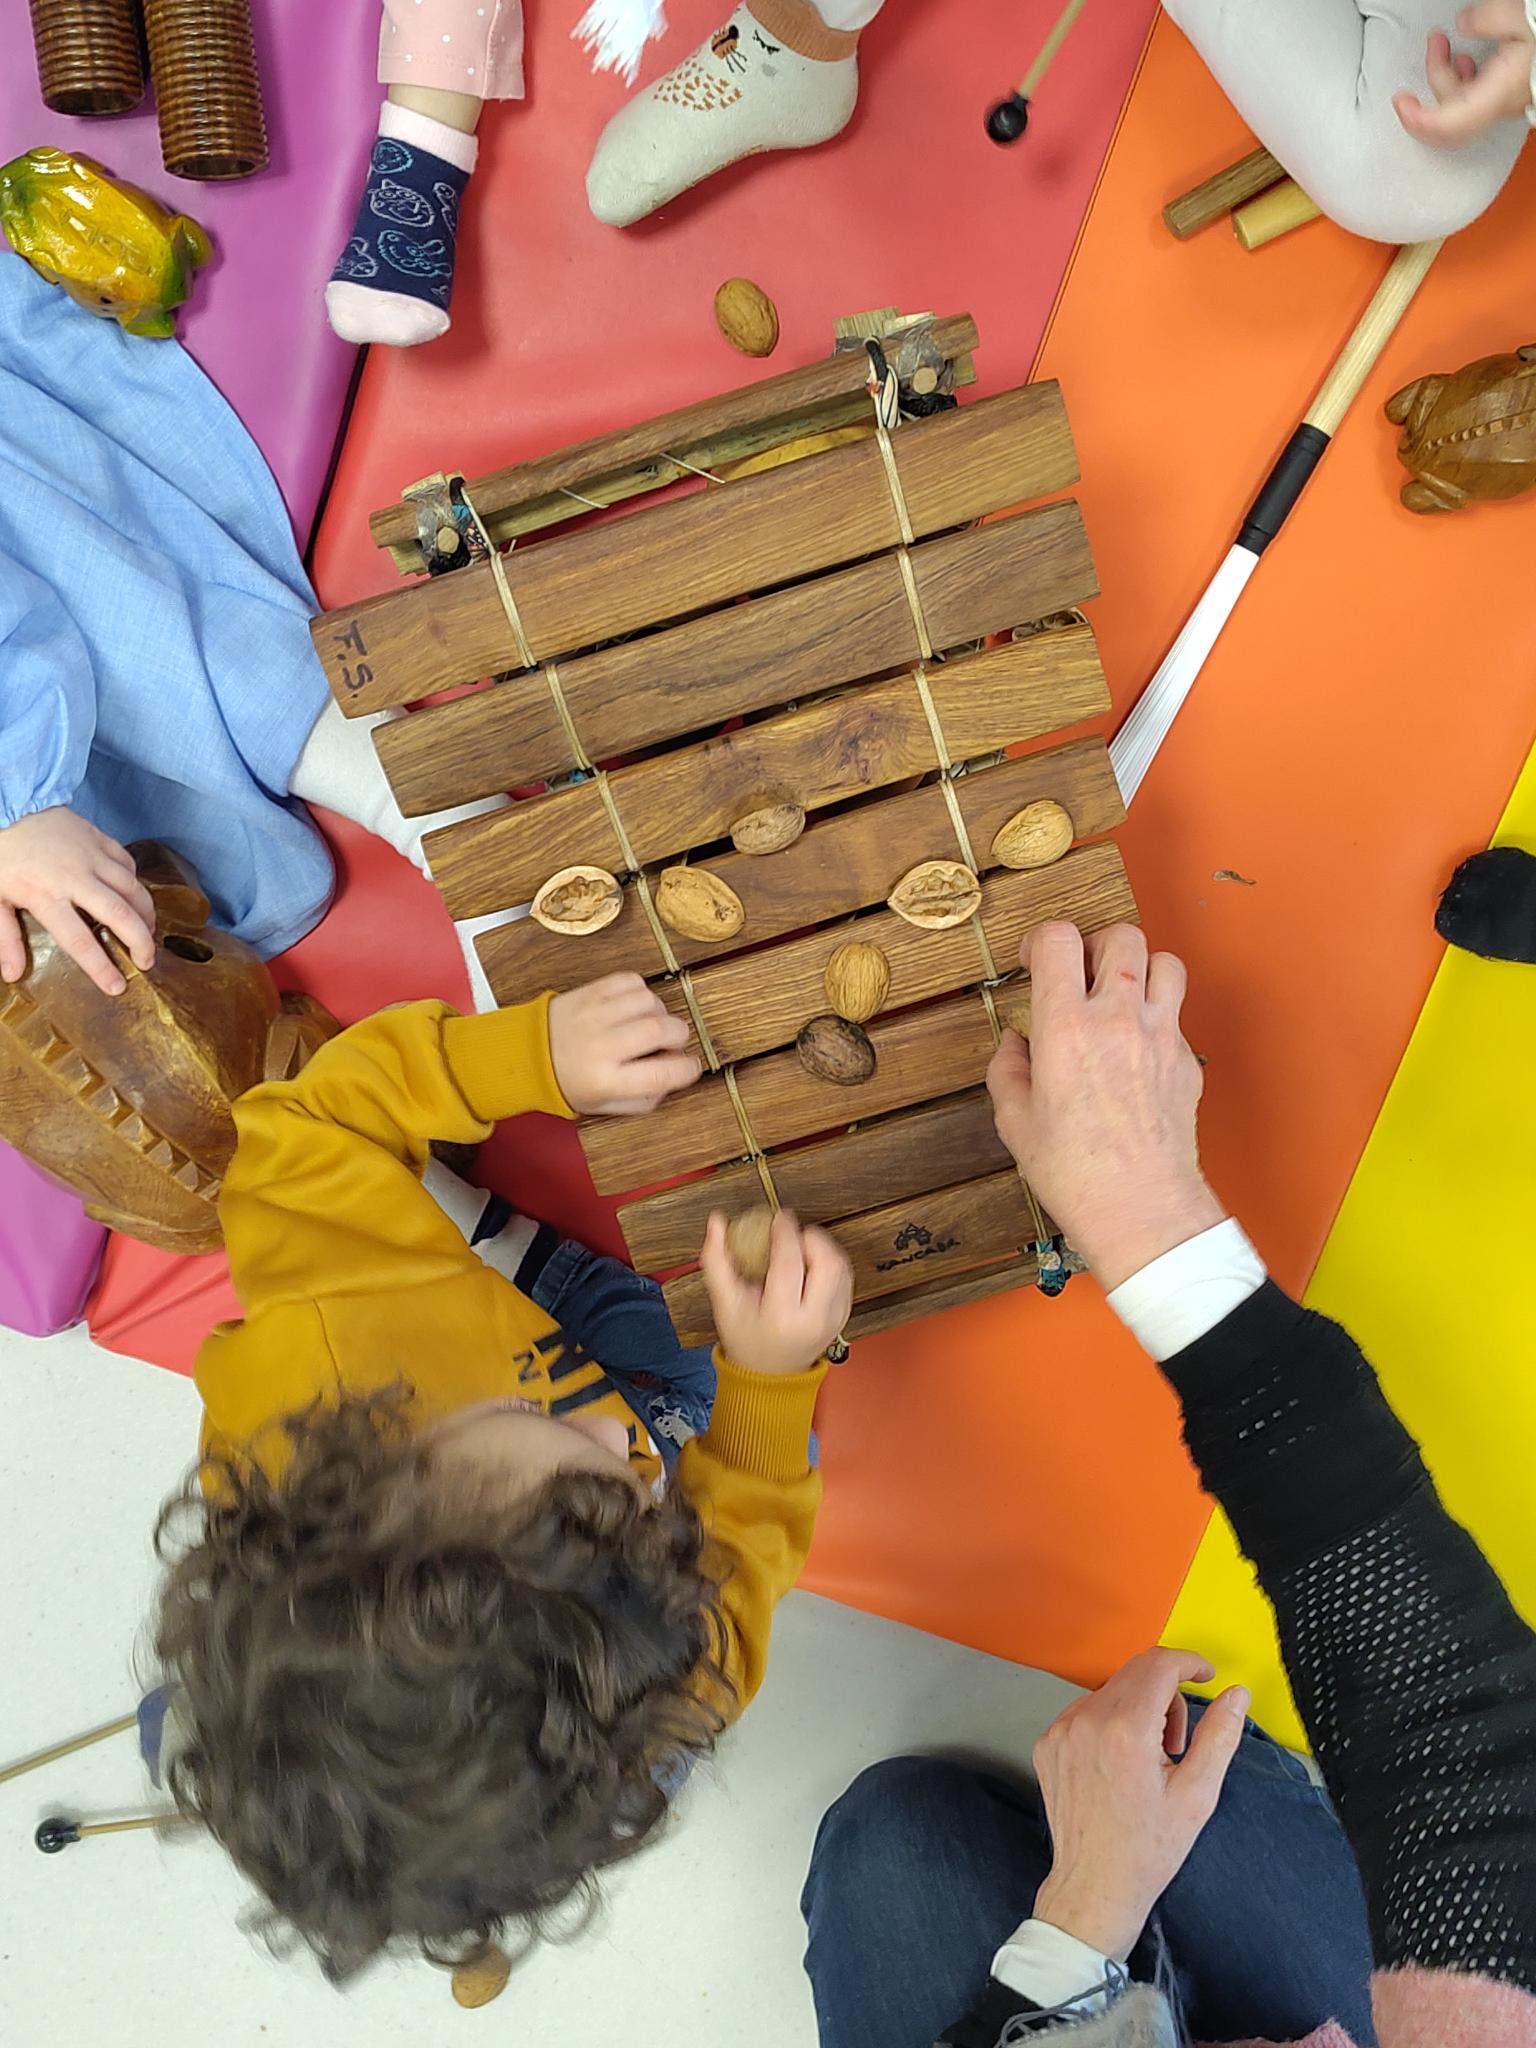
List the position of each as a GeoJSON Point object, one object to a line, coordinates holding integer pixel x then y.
{"type": "Point", "coordinates": [1010, 117]}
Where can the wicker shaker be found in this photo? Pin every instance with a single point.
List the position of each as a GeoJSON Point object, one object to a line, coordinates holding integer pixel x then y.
{"type": "Point", "coordinates": [203, 59]}
{"type": "Point", "coordinates": [89, 56]}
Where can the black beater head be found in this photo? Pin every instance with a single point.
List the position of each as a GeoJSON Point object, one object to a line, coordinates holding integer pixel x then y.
{"type": "Point", "coordinates": [56, 1833]}
{"type": "Point", "coordinates": [1009, 118]}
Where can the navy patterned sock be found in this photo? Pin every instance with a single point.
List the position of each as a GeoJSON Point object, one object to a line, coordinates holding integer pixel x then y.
{"type": "Point", "coordinates": [394, 278]}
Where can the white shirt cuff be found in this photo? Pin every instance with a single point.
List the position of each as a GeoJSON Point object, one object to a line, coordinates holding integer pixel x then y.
{"type": "Point", "coordinates": [1054, 1969]}
{"type": "Point", "coordinates": [1188, 1291]}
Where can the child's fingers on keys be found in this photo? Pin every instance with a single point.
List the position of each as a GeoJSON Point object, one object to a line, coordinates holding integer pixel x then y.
{"type": "Point", "coordinates": [785, 1284]}
{"type": "Point", "coordinates": [828, 1274]}
{"type": "Point", "coordinates": [661, 1073]}
{"type": "Point", "coordinates": [729, 1292]}
{"type": "Point", "coordinates": [625, 995]}
{"type": "Point", "coordinates": [13, 949]}
{"type": "Point", "coordinates": [658, 1032]}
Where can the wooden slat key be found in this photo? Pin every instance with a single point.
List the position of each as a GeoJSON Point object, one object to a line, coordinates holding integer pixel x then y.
{"type": "Point", "coordinates": [695, 552]}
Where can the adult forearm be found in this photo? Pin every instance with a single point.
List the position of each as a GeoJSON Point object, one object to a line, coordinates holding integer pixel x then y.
{"type": "Point", "coordinates": [1415, 1677]}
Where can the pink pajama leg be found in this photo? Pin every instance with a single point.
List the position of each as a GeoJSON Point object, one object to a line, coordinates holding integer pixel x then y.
{"type": "Point", "coordinates": [469, 46]}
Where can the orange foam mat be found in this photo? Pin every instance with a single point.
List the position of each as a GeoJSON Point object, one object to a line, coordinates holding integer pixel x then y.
{"type": "Point", "coordinates": [1353, 736]}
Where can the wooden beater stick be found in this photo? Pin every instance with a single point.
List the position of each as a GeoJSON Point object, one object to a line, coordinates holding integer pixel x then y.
{"type": "Point", "coordinates": [58, 1832]}
{"type": "Point", "coordinates": [51, 1756]}
{"type": "Point", "coordinates": [1010, 117]}
{"type": "Point", "coordinates": [1132, 750]}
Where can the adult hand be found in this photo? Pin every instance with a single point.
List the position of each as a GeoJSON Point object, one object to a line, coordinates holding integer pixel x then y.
{"type": "Point", "coordinates": [1471, 99]}
{"type": "Point", "coordinates": [1123, 1814]}
{"type": "Point", "coordinates": [1099, 1108]}
{"type": "Point", "coordinates": [786, 1324]}
{"type": "Point", "coordinates": [617, 1049]}
{"type": "Point", "coordinates": [63, 871]}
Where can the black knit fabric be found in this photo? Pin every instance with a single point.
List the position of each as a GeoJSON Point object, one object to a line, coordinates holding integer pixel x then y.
{"type": "Point", "coordinates": [1414, 1675]}
{"type": "Point", "coordinates": [1489, 906]}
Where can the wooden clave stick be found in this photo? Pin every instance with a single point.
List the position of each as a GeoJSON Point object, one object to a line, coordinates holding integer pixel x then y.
{"type": "Point", "coordinates": [1208, 201]}
{"type": "Point", "coordinates": [1273, 214]}
{"type": "Point", "coordinates": [839, 865]}
{"type": "Point", "coordinates": [841, 747]}
{"type": "Point", "coordinates": [951, 1230]}
{"type": "Point", "coordinates": [756, 1001]}
{"type": "Point", "coordinates": [690, 554]}
{"type": "Point", "coordinates": [713, 431]}
{"type": "Point", "coordinates": [911, 1153]}
{"type": "Point", "coordinates": [854, 623]}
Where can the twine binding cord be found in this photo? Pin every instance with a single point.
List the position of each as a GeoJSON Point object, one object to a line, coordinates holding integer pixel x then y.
{"type": "Point", "coordinates": [599, 779]}
{"type": "Point", "coordinates": [885, 395]}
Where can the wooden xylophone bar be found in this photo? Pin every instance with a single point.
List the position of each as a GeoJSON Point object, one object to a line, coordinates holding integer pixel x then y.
{"type": "Point", "coordinates": [712, 432]}
{"type": "Point", "coordinates": [696, 552]}
{"type": "Point", "coordinates": [841, 865]}
{"type": "Point", "coordinates": [841, 628]}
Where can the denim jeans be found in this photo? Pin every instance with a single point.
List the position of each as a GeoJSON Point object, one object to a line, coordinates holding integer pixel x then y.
{"type": "Point", "coordinates": [924, 1867]}
{"type": "Point", "coordinates": [620, 1318]}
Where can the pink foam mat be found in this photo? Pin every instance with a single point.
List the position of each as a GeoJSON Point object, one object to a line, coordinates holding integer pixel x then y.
{"type": "Point", "coordinates": [256, 324]}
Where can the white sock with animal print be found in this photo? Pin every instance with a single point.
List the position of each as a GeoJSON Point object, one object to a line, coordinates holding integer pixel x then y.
{"type": "Point", "coordinates": [775, 77]}
{"type": "Point", "coordinates": [393, 280]}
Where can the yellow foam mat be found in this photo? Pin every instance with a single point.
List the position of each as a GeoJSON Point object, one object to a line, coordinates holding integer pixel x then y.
{"type": "Point", "coordinates": [1431, 1264]}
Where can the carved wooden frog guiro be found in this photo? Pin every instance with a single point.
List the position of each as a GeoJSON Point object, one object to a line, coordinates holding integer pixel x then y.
{"type": "Point", "coordinates": [1469, 434]}
{"type": "Point", "coordinates": [127, 1099]}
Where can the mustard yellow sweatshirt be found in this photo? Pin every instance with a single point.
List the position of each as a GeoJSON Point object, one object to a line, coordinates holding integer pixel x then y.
{"type": "Point", "coordinates": [351, 1277]}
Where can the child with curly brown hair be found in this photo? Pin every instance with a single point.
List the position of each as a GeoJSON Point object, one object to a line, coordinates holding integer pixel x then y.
{"type": "Point", "coordinates": [442, 1634]}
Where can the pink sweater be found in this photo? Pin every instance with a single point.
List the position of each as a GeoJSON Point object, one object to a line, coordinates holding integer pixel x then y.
{"type": "Point", "coordinates": [1436, 2009]}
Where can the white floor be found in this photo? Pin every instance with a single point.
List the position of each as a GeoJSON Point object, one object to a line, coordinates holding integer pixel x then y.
{"type": "Point", "coordinates": [135, 1940]}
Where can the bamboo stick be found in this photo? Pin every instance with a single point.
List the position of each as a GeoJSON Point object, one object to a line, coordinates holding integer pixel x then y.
{"type": "Point", "coordinates": [713, 431]}
{"type": "Point", "coordinates": [61, 1749]}
{"type": "Point", "coordinates": [693, 553]}
{"type": "Point", "coordinates": [845, 746]}
{"type": "Point", "coordinates": [840, 865]}
{"type": "Point", "coordinates": [1209, 200]}
{"type": "Point", "coordinates": [756, 1001]}
{"type": "Point", "coordinates": [854, 623]}
{"type": "Point", "coordinates": [895, 1157]}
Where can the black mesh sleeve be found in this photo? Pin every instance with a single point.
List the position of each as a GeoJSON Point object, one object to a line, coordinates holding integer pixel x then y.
{"type": "Point", "coordinates": [1412, 1671]}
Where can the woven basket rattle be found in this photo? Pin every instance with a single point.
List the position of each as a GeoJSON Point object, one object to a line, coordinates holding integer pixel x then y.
{"type": "Point", "coordinates": [203, 58]}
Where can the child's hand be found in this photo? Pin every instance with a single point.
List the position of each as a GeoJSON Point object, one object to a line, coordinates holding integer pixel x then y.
{"type": "Point", "coordinates": [787, 1323]}
{"type": "Point", "coordinates": [1472, 100]}
{"type": "Point", "coordinates": [64, 871]}
{"type": "Point", "coordinates": [617, 1049]}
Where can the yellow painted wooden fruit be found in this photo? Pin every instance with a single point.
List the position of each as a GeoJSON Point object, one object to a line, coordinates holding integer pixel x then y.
{"type": "Point", "coordinates": [116, 251]}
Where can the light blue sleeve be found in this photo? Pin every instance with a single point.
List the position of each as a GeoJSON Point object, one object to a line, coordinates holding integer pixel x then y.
{"type": "Point", "coordinates": [47, 697]}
